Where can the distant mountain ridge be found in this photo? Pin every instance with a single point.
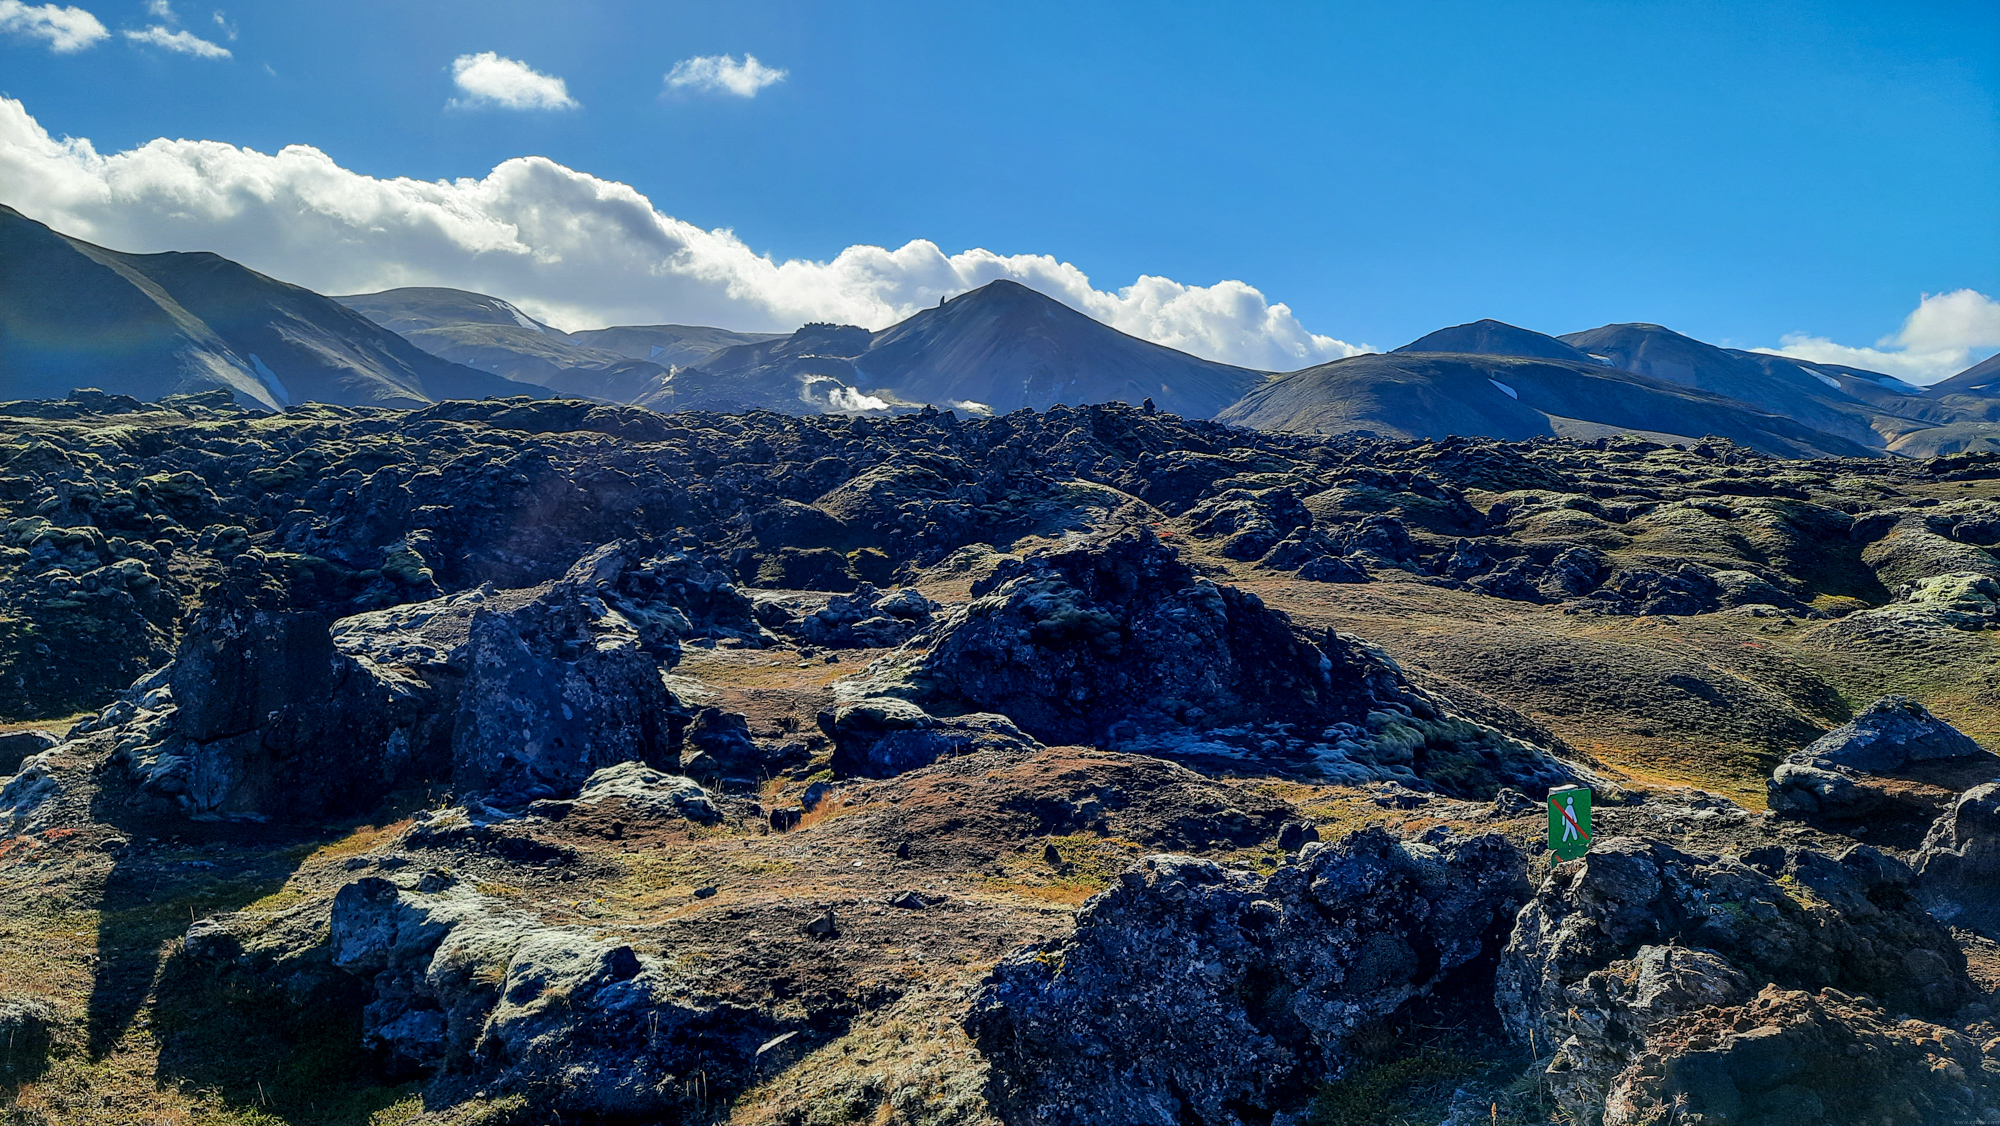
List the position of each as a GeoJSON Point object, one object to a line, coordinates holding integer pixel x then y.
{"type": "Point", "coordinates": [74, 314]}
{"type": "Point", "coordinates": [1861, 408]}
{"type": "Point", "coordinates": [1438, 394]}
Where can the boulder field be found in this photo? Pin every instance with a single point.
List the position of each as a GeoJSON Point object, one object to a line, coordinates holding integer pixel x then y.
{"type": "Point", "coordinates": [539, 761]}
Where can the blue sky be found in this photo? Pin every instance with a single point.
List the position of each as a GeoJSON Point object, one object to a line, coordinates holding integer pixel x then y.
{"type": "Point", "coordinates": [1740, 172]}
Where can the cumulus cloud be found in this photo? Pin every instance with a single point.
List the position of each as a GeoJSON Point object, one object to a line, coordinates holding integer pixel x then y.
{"type": "Point", "coordinates": [489, 79]}
{"type": "Point", "coordinates": [64, 29]}
{"type": "Point", "coordinates": [722, 74]}
{"type": "Point", "coordinates": [221, 21]}
{"type": "Point", "coordinates": [566, 247]}
{"type": "Point", "coordinates": [1944, 335]}
{"type": "Point", "coordinates": [181, 42]}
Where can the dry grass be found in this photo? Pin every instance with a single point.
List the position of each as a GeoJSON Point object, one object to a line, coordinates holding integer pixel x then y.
{"type": "Point", "coordinates": [54, 724]}
{"type": "Point", "coordinates": [910, 1065]}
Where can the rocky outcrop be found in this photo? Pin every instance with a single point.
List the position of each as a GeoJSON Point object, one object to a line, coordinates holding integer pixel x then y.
{"type": "Point", "coordinates": [1616, 946]}
{"type": "Point", "coordinates": [1115, 642]}
{"type": "Point", "coordinates": [260, 716]}
{"type": "Point", "coordinates": [1893, 768]}
{"type": "Point", "coordinates": [664, 596]}
{"type": "Point", "coordinates": [869, 618]}
{"type": "Point", "coordinates": [883, 736]}
{"type": "Point", "coordinates": [1795, 1058]}
{"type": "Point", "coordinates": [16, 746]}
{"type": "Point", "coordinates": [1195, 993]}
{"type": "Point", "coordinates": [554, 691]}
{"type": "Point", "coordinates": [25, 795]}
{"type": "Point", "coordinates": [461, 990]}
{"type": "Point", "coordinates": [1959, 863]}
{"type": "Point", "coordinates": [1616, 1008]}
{"type": "Point", "coordinates": [718, 746]}
{"type": "Point", "coordinates": [640, 791]}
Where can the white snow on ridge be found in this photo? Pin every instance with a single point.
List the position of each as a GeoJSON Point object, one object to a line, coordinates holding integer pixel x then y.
{"type": "Point", "coordinates": [518, 316]}
{"type": "Point", "coordinates": [1828, 380]}
{"type": "Point", "coordinates": [1509, 391]}
{"type": "Point", "coordinates": [270, 379]}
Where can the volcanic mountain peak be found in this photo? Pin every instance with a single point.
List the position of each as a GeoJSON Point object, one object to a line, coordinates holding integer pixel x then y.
{"type": "Point", "coordinates": [997, 348]}
{"type": "Point", "coordinates": [1495, 338]}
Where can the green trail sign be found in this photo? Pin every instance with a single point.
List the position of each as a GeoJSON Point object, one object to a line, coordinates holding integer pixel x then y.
{"type": "Point", "coordinates": [1569, 821]}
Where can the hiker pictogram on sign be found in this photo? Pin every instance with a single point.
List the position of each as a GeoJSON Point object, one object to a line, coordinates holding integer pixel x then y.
{"type": "Point", "coordinates": [1569, 821]}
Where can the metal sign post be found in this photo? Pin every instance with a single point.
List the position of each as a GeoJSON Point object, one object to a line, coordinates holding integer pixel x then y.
{"type": "Point", "coordinates": [1569, 821]}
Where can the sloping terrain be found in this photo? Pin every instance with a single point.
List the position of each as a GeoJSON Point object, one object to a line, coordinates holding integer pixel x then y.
{"type": "Point", "coordinates": [1863, 406]}
{"type": "Point", "coordinates": [147, 325]}
{"type": "Point", "coordinates": [1437, 394]}
{"type": "Point", "coordinates": [668, 345]}
{"type": "Point", "coordinates": [529, 761]}
{"type": "Point", "coordinates": [491, 335]}
{"type": "Point", "coordinates": [996, 349]}
{"type": "Point", "coordinates": [1979, 379]}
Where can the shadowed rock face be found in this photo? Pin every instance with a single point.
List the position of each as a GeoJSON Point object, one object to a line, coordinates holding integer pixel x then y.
{"type": "Point", "coordinates": [1960, 862]}
{"type": "Point", "coordinates": [1193, 993]}
{"type": "Point", "coordinates": [259, 715]}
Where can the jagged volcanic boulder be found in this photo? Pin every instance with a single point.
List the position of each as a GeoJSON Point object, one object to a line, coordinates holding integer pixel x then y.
{"type": "Point", "coordinates": [636, 790]}
{"type": "Point", "coordinates": [883, 736]}
{"type": "Point", "coordinates": [1797, 917]}
{"type": "Point", "coordinates": [1191, 993]}
{"type": "Point", "coordinates": [1617, 1007]}
{"type": "Point", "coordinates": [1794, 1058]}
{"type": "Point", "coordinates": [664, 596]}
{"type": "Point", "coordinates": [867, 618]}
{"type": "Point", "coordinates": [1891, 771]}
{"type": "Point", "coordinates": [259, 715]}
{"type": "Point", "coordinates": [1075, 642]}
{"type": "Point", "coordinates": [718, 745]}
{"type": "Point", "coordinates": [1959, 863]}
{"type": "Point", "coordinates": [554, 691]}
{"type": "Point", "coordinates": [1114, 641]}
{"type": "Point", "coordinates": [460, 989]}
{"type": "Point", "coordinates": [1637, 934]}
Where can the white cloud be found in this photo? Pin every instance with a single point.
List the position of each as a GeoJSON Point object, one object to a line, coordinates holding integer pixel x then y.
{"type": "Point", "coordinates": [1944, 335]}
{"type": "Point", "coordinates": [161, 10]}
{"type": "Point", "coordinates": [222, 22]}
{"type": "Point", "coordinates": [65, 29]}
{"type": "Point", "coordinates": [491, 80]}
{"type": "Point", "coordinates": [566, 247]}
{"type": "Point", "coordinates": [722, 74]}
{"type": "Point", "coordinates": [181, 42]}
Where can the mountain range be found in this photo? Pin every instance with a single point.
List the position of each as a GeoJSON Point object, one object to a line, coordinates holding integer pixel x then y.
{"type": "Point", "coordinates": [623, 365]}
{"type": "Point", "coordinates": [76, 314]}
